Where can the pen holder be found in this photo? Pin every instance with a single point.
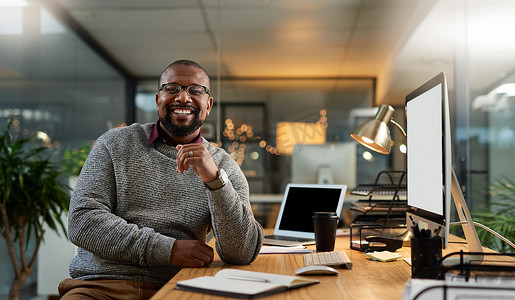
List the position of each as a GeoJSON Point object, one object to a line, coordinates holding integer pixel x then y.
{"type": "Point", "coordinates": [425, 256]}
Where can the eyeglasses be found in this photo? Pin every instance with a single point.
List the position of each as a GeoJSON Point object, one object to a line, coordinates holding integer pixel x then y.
{"type": "Point", "coordinates": [193, 90]}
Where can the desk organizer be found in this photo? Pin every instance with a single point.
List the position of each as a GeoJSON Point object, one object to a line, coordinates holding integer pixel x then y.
{"type": "Point", "coordinates": [490, 267]}
{"type": "Point", "coordinates": [390, 210]}
{"type": "Point", "coordinates": [421, 289]}
{"type": "Point", "coordinates": [491, 277]}
{"type": "Point", "coordinates": [379, 237]}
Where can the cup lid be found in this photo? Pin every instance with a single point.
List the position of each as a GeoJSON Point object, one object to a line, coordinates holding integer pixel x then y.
{"type": "Point", "coordinates": [325, 215]}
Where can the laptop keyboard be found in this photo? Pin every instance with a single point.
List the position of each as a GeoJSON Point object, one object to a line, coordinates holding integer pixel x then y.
{"type": "Point", "coordinates": [329, 258]}
{"type": "Point", "coordinates": [287, 238]}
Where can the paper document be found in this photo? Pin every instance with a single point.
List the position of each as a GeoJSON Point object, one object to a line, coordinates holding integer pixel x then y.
{"type": "Point", "coordinates": [343, 232]}
{"type": "Point", "coordinates": [384, 256]}
{"type": "Point", "coordinates": [280, 249]}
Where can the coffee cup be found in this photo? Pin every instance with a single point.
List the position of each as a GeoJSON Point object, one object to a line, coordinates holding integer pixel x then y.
{"type": "Point", "coordinates": [325, 224]}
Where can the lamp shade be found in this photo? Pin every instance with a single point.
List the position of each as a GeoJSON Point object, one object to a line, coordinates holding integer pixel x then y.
{"type": "Point", "coordinates": [375, 134]}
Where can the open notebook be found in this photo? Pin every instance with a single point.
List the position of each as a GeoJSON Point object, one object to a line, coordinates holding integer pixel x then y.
{"type": "Point", "coordinates": [294, 225]}
{"type": "Point", "coordinates": [244, 284]}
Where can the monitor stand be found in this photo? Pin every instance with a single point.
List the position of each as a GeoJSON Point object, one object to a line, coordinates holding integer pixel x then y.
{"type": "Point", "coordinates": [474, 245]}
{"type": "Point", "coordinates": [325, 175]}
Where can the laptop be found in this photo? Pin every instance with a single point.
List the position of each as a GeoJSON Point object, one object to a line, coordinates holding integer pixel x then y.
{"type": "Point", "coordinates": [294, 225]}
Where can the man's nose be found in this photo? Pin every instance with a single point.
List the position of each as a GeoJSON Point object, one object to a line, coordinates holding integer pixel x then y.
{"type": "Point", "coordinates": [183, 97]}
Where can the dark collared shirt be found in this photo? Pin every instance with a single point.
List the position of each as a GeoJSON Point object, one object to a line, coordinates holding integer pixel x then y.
{"type": "Point", "coordinates": [156, 133]}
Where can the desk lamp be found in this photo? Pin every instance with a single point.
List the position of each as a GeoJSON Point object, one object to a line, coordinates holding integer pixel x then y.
{"type": "Point", "coordinates": [374, 134]}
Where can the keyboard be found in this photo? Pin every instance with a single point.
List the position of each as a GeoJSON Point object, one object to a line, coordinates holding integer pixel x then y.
{"type": "Point", "coordinates": [287, 238]}
{"type": "Point", "coordinates": [329, 258]}
{"type": "Point", "coordinates": [387, 190]}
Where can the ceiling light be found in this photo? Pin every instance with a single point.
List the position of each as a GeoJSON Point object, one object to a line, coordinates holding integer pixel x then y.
{"type": "Point", "coordinates": [14, 3]}
{"type": "Point", "coordinates": [402, 148]}
{"type": "Point", "coordinates": [368, 156]}
{"type": "Point", "coordinates": [507, 88]}
{"type": "Point", "coordinates": [43, 136]}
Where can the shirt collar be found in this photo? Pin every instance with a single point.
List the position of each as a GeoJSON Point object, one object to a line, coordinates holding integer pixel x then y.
{"type": "Point", "coordinates": [155, 134]}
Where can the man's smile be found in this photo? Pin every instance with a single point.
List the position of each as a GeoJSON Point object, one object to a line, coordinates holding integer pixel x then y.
{"type": "Point", "coordinates": [182, 111]}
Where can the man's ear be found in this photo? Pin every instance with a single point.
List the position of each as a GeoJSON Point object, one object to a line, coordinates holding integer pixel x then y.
{"type": "Point", "coordinates": [210, 105]}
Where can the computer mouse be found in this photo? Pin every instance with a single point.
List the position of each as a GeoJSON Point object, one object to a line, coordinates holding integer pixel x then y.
{"type": "Point", "coordinates": [317, 270]}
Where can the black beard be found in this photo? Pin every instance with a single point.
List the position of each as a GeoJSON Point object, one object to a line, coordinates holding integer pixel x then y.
{"type": "Point", "coordinates": [179, 130]}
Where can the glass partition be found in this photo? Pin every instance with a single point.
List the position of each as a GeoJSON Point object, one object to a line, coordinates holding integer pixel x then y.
{"type": "Point", "coordinates": [262, 120]}
{"type": "Point", "coordinates": [55, 86]}
{"type": "Point", "coordinates": [53, 82]}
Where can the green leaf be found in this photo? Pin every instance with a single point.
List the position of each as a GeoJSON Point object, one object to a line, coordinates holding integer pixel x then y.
{"type": "Point", "coordinates": [30, 187]}
{"type": "Point", "coordinates": [499, 216]}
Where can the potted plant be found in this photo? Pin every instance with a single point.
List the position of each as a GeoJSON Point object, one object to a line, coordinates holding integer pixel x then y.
{"type": "Point", "coordinates": [73, 159]}
{"type": "Point", "coordinates": [31, 195]}
{"type": "Point", "coordinates": [72, 162]}
{"type": "Point", "coordinates": [499, 216]}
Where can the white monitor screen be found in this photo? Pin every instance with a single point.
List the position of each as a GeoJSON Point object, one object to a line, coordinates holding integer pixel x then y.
{"type": "Point", "coordinates": [424, 144]}
{"type": "Point", "coordinates": [330, 163]}
{"type": "Point", "coordinates": [430, 175]}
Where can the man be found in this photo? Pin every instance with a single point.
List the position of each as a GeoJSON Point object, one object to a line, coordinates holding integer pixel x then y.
{"type": "Point", "coordinates": [149, 194]}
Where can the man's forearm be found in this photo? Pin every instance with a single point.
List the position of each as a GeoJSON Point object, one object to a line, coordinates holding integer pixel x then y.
{"type": "Point", "coordinates": [238, 234]}
{"type": "Point", "coordinates": [111, 237]}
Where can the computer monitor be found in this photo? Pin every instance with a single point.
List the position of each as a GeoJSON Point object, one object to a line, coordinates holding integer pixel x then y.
{"type": "Point", "coordinates": [329, 163]}
{"type": "Point", "coordinates": [431, 181]}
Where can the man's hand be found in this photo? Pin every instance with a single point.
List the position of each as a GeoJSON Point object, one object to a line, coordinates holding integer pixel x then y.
{"type": "Point", "coordinates": [199, 159]}
{"type": "Point", "coordinates": [191, 253]}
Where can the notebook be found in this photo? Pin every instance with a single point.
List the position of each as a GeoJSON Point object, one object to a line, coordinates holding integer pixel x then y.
{"type": "Point", "coordinates": [294, 225]}
{"type": "Point", "coordinates": [243, 284]}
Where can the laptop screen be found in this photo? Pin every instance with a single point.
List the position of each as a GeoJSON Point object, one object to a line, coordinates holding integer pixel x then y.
{"type": "Point", "coordinates": [302, 201]}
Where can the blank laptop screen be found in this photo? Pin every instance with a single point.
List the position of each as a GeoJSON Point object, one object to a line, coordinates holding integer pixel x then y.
{"type": "Point", "coordinates": [303, 202]}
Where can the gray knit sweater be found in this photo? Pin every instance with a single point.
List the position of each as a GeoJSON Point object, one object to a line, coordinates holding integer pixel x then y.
{"type": "Point", "coordinates": [130, 205]}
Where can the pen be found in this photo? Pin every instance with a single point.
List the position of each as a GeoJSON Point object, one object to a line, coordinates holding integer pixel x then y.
{"type": "Point", "coordinates": [248, 278]}
{"type": "Point", "coordinates": [437, 231]}
{"type": "Point", "coordinates": [425, 233]}
{"type": "Point", "coordinates": [416, 231]}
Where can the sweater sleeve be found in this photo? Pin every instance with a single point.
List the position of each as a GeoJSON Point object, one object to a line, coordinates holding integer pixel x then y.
{"type": "Point", "coordinates": [93, 226]}
{"type": "Point", "coordinates": [238, 235]}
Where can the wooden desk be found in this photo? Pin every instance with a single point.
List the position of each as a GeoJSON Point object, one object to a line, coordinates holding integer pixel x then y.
{"type": "Point", "coordinates": [366, 280]}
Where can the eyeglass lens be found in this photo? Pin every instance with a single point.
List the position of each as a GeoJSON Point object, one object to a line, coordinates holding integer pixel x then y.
{"type": "Point", "coordinates": [192, 90]}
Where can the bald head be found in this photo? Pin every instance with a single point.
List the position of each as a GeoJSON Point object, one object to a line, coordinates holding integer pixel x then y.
{"type": "Point", "coordinates": [183, 62]}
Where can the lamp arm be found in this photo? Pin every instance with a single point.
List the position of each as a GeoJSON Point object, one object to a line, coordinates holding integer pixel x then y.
{"type": "Point", "coordinates": [399, 127]}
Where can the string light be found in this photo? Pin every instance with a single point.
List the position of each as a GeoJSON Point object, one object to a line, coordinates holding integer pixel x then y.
{"type": "Point", "coordinates": [244, 133]}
